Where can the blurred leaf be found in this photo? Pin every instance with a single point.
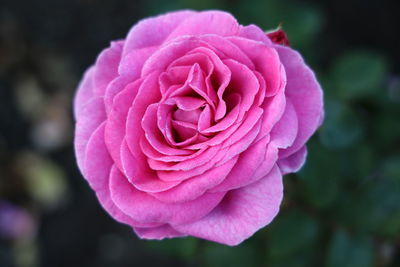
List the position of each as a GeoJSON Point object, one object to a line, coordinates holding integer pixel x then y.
{"type": "Point", "coordinates": [301, 22]}
{"type": "Point", "coordinates": [387, 127]}
{"type": "Point", "coordinates": [373, 207]}
{"type": "Point", "coordinates": [319, 178]}
{"type": "Point", "coordinates": [350, 251]}
{"type": "Point", "coordinates": [216, 255]}
{"type": "Point", "coordinates": [46, 181]}
{"type": "Point", "coordinates": [302, 25]}
{"type": "Point", "coordinates": [391, 168]}
{"type": "Point", "coordinates": [201, 5]}
{"type": "Point", "coordinates": [342, 128]}
{"type": "Point", "coordinates": [291, 232]}
{"type": "Point", "coordinates": [358, 74]}
{"type": "Point", "coordinates": [183, 248]}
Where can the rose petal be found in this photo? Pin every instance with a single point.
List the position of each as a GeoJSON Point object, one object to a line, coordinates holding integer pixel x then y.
{"type": "Point", "coordinates": [132, 63]}
{"type": "Point", "coordinates": [84, 93]}
{"type": "Point", "coordinates": [253, 32]}
{"type": "Point", "coordinates": [285, 130]}
{"type": "Point", "coordinates": [145, 208]}
{"type": "Point", "coordinates": [116, 122]}
{"type": "Point", "coordinates": [106, 68]}
{"type": "Point", "coordinates": [196, 186]}
{"type": "Point", "coordinates": [294, 162]}
{"type": "Point", "coordinates": [90, 117]}
{"type": "Point", "coordinates": [206, 22]}
{"type": "Point", "coordinates": [241, 213]}
{"type": "Point", "coordinates": [258, 156]}
{"type": "Point", "coordinates": [260, 53]}
{"type": "Point", "coordinates": [305, 93]}
{"type": "Point", "coordinates": [153, 31]}
{"type": "Point", "coordinates": [140, 175]}
{"type": "Point", "coordinates": [98, 165]}
{"type": "Point", "coordinates": [244, 83]}
{"type": "Point", "coordinates": [159, 233]}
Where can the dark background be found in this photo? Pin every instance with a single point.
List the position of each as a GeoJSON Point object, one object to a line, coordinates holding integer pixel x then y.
{"type": "Point", "coordinates": [341, 209]}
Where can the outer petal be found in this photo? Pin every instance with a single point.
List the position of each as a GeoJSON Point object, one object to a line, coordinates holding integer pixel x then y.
{"type": "Point", "coordinates": [266, 61]}
{"type": "Point", "coordinates": [206, 22]}
{"type": "Point", "coordinates": [90, 117]}
{"type": "Point", "coordinates": [84, 93]}
{"type": "Point", "coordinates": [253, 32]}
{"type": "Point", "coordinates": [153, 31]}
{"type": "Point", "coordinates": [294, 162]}
{"type": "Point", "coordinates": [285, 130]}
{"type": "Point", "coordinates": [305, 93]}
{"type": "Point", "coordinates": [259, 156]}
{"type": "Point", "coordinates": [116, 121]}
{"type": "Point", "coordinates": [160, 232]}
{"type": "Point", "coordinates": [241, 213]}
{"type": "Point", "coordinates": [196, 186]}
{"type": "Point", "coordinates": [147, 209]}
{"type": "Point", "coordinates": [106, 68]}
{"type": "Point", "coordinates": [98, 164]}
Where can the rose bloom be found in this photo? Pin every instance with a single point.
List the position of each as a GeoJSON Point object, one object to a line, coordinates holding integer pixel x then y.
{"type": "Point", "coordinates": [187, 126]}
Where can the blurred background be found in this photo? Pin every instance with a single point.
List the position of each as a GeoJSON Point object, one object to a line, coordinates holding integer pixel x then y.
{"type": "Point", "coordinates": [341, 209]}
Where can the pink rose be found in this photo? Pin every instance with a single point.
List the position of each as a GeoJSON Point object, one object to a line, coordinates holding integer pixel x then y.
{"type": "Point", "coordinates": [187, 126]}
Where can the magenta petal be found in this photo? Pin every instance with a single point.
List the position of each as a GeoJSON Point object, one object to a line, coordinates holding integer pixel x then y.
{"type": "Point", "coordinates": [160, 232]}
{"type": "Point", "coordinates": [285, 130]}
{"type": "Point", "coordinates": [274, 108]}
{"type": "Point", "coordinates": [241, 213]}
{"type": "Point", "coordinates": [186, 174]}
{"type": "Point", "coordinates": [294, 162]}
{"type": "Point", "coordinates": [84, 92]}
{"type": "Point", "coordinates": [243, 82]}
{"type": "Point", "coordinates": [249, 124]}
{"type": "Point", "coordinates": [261, 53]}
{"type": "Point", "coordinates": [139, 175]}
{"type": "Point", "coordinates": [188, 164]}
{"type": "Point", "coordinates": [226, 49]}
{"type": "Point", "coordinates": [305, 93]}
{"type": "Point", "coordinates": [171, 51]}
{"type": "Point", "coordinates": [132, 63]}
{"type": "Point", "coordinates": [153, 31]}
{"type": "Point", "coordinates": [205, 119]}
{"type": "Point", "coordinates": [255, 157]}
{"type": "Point", "coordinates": [106, 68]}
{"type": "Point", "coordinates": [115, 87]}
{"type": "Point", "coordinates": [145, 208]}
{"type": "Point", "coordinates": [253, 32]}
{"type": "Point", "coordinates": [90, 117]}
{"type": "Point", "coordinates": [152, 132]}
{"type": "Point", "coordinates": [97, 163]}
{"type": "Point", "coordinates": [234, 100]}
{"type": "Point", "coordinates": [196, 186]}
{"type": "Point", "coordinates": [116, 122]}
{"type": "Point", "coordinates": [207, 22]}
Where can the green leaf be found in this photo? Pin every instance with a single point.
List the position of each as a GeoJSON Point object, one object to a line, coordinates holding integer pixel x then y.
{"type": "Point", "coordinates": [342, 128]}
{"type": "Point", "coordinates": [373, 207]}
{"type": "Point", "coordinates": [319, 181]}
{"type": "Point", "coordinates": [216, 255]}
{"type": "Point", "coordinates": [350, 251]}
{"type": "Point", "coordinates": [291, 232]}
{"type": "Point", "coordinates": [359, 74]}
{"type": "Point", "coordinates": [183, 248]}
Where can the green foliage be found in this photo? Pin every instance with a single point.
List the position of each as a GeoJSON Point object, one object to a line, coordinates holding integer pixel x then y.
{"type": "Point", "coordinates": [359, 74]}
{"type": "Point", "coordinates": [350, 251]}
{"type": "Point", "coordinates": [292, 232]}
{"type": "Point", "coordinates": [216, 255]}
